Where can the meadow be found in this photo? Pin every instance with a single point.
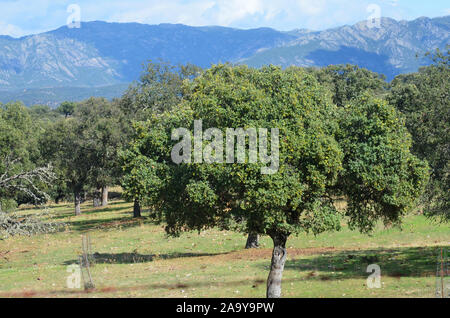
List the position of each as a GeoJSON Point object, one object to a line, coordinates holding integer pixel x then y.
{"type": "Point", "coordinates": [134, 258]}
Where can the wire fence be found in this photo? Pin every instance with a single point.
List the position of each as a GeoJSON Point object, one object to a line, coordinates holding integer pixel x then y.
{"type": "Point", "coordinates": [86, 260]}
{"type": "Point", "coordinates": [442, 275]}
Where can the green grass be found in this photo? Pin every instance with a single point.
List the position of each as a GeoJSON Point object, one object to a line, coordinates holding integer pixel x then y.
{"type": "Point", "coordinates": [134, 258]}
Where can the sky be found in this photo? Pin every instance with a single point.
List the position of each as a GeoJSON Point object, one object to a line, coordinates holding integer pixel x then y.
{"type": "Point", "coordinates": [24, 17]}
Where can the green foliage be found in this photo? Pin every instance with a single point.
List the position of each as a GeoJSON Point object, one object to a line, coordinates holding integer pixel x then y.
{"type": "Point", "coordinates": [159, 88]}
{"type": "Point", "coordinates": [20, 180]}
{"type": "Point", "coordinates": [381, 178]}
{"type": "Point", "coordinates": [144, 172]}
{"type": "Point", "coordinates": [67, 108]}
{"type": "Point", "coordinates": [424, 100]}
{"type": "Point", "coordinates": [43, 114]}
{"type": "Point", "coordinates": [15, 130]}
{"type": "Point", "coordinates": [347, 82]}
{"type": "Point", "coordinates": [63, 145]}
{"type": "Point", "coordinates": [101, 125]}
{"type": "Point", "coordinates": [84, 148]}
{"type": "Point", "coordinates": [324, 151]}
{"type": "Point", "coordinates": [7, 204]}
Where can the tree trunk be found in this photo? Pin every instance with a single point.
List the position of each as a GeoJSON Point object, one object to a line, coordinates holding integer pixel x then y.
{"type": "Point", "coordinates": [104, 196]}
{"type": "Point", "coordinates": [59, 197]}
{"type": "Point", "coordinates": [96, 200]}
{"type": "Point", "coordinates": [277, 266]}
{"type": "Point", "coordinates": [137, 209]}
{"type": "Point", "coordinates": [77, 203]}
{"type": "Point", "coordinates": [252, 241]}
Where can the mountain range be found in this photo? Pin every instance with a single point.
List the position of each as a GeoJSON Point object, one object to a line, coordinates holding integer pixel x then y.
{"type": "Point", "coordinates": [102, 58]}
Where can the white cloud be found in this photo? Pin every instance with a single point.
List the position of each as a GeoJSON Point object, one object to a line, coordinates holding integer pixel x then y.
{"type": "Point", "coordinates": [200, 12]}
{"type": "Point", "coordinates": [311, 7]}
{"type": "Point", "coordinates": [225, 12]}
{"type": "Point", "coordinates": [21, 16]}
{"type": "Point", "coordinates": [237, 13]}
{"type": "Point", "coordinates": [154, 12]}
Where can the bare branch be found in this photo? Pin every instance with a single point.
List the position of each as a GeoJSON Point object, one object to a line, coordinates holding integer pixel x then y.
{"type": "Point", "coordinates": [26, 181]}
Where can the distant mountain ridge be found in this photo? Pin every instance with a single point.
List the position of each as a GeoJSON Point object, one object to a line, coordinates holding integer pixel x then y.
{"type": "Point", "coordinates": [391, 49]}
{"type": "Point", "coordinates": [101, 54]}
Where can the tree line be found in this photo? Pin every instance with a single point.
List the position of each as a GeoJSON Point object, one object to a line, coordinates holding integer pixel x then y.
{"type": "Point", "coordinates": [345, 133]}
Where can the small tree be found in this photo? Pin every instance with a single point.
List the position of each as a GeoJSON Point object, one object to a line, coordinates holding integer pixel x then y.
{"type": "Point", "coordinates": [64, 146]}
{"type": "Point", "coordinates": [360, 151]}
{"type": "Point", "coordinates": [84, 148]}
{"type": "Point", "coordinates": [137, 179]}
{"type": "Point", "coordinates": [67, 108]}
{"type": "Point", "coordinates": [101, 124]}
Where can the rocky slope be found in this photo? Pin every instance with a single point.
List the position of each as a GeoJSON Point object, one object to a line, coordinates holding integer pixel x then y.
{"type": "Point", "coordinates": [390, 49]}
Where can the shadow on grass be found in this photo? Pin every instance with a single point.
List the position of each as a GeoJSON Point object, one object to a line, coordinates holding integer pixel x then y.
{"type": "Point", "coordinates": [395, 262]}
{"type": "Point", "coordinates": [40, 207]}
{"type": "Point", "coordinates": [65, 214]}
{"type": "Point", "coordinates": [134, 258]}
{"type": "Point", "coordinates": [66, 206]}
{"type": "Point", "coordinates": [105, 209]}
{"type": "Point", "coordinates": [107, 224]}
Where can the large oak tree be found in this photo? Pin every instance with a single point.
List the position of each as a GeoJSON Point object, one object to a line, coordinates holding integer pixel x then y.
{"type": "Point", "coordinates": [360, 151]}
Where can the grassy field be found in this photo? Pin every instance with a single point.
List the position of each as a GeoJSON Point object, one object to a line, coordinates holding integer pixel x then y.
{"type": "Point", "coordinates": [134, 258]}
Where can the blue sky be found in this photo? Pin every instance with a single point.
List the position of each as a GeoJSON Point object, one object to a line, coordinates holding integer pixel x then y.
{"type": "Point", "coordinates": [22, 17]}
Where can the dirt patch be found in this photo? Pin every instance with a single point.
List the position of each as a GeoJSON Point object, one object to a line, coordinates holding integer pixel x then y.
{"type": "Point", "coordinates": [117, 223]}
{"type": "Point", "coordinates": [266, 253]}
{"type": "Point", "coordinates": [124, 289]}
{"type": "Point", "coordinates": [108, 290]}
{"type": "Point", "coordinates": [4, 255]}
{"type": "Point", "coordinates": [254, 254]}
{"type": "Point", "coordinates": [7, 255]}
